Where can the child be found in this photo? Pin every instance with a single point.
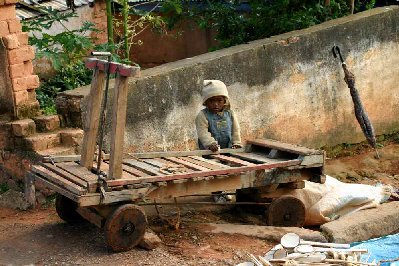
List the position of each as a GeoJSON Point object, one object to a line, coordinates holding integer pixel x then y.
{"type": "Point", "coordinates": [217, 126]}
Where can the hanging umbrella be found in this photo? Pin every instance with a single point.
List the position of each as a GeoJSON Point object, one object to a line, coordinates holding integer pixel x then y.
{"type": "Point", "coordinates": [360, 113]}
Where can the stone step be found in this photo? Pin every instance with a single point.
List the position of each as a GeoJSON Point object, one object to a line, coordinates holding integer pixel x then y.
{"type": "Point", "coordinates": [59, 150]}
{"type": "Point", "coordinates": [23, 128]}
{"type": "Point", "coordinates": [47, 123]}
{"type": "Point", "coordinates": [71, 136]}
{"type": "Point", "coordinates": [40, 141]}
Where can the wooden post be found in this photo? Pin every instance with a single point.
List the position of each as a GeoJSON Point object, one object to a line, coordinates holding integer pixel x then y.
{"type": "Point", "coordinates": [119, 120]}
{"type": "Point", "coordinates": [93, 116]}
{"type": "Point", "coordinates": [30, 191]}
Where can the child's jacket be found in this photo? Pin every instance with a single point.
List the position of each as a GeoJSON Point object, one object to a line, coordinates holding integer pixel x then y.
{"type": "Point", "coordinates": [221, 128]}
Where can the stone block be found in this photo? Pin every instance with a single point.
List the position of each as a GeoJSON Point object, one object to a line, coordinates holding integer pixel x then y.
{"type": "Point", "coordinates": [150, 241]}
{"type": "Point", "coordinates": [8, 12]}
{"type": "Point", "coordinates": [4, 29]}
{"type": "Point", "coordinates": [40, 142]}
{"type": "Point", "coordinates": [14, 25]}
{"type": "Point", "coordinates": [27, 110]}
{"type": "Point", "coordinates": [71, 137]}
{"type": "Point", "coordinates": [23, 38]}
{"type": "Point", "coordinates": [21, 70]}
{"type": "Point", "coordinates": [6, 141]}
{"type": "Point", "coordinates": [22, 128]}
{"type": "Point", "coordinates": [364, 224]}
{"type": "Point", "coordinates": [21, 97]}
{"type": "Point", "coordinates": [47, 123]}
{"type": "Point", "coordinates": [21, 54]}
{"type": "Point", "coordinates": [31, 95]}
{"type": "Point", "coordinates": [11, 41]}
{"type": "Point", "coordinates": [26, 82]}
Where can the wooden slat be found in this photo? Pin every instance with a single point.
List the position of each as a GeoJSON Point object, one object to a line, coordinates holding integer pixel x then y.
{"type": "Point", "coordinates": [200, 163]}
{"type": "Point", "coordinates": [273, 144]}
{"type": "Point", "coordinates": [187, 164]}
{"type": "Point", "coordinates": [45, 183]}
{"type": "Point", "coordinates": [156, 162]}
{"type": "Point", "coordinates": [105, 168]}
{"type": "Point", "coordinates": [144, 167]}
{"type": "Point", "coordinates": [225, 171]}
{"type": "Point", "coordinates": [81, 172]}
{"type": "Point", "coordinates": [165, 165]}
{"type": "Point", "coordinates": [259, 158]}
{"type": "Point", "coordinates": [232, 160]}
{"type": "Point", "coordinates": [133, 171]}
{"type": "Point", "coordinates": [93, 118]}
{"type": "Point", "coordinates": [118, 126]}
{"type": "Point", "coordinates": [219, 165]}
{"type": "Point", "coordinates": [66, 175]}
{"type": "Point", "coordinates": [148, 155]}
{"type": "Point", "coordinates": [57, 180]}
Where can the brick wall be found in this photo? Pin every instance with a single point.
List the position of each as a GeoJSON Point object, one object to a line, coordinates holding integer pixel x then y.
{"type": "Point", "coordinates": [99, 18]}
{"type": "Point", "coordinates": [17, 82]}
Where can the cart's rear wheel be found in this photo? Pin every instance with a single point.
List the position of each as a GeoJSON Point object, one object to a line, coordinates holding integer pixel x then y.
{"type": "Point", "coordinates": [66, 209]}
{"type": "Point", "coordinates": [286, 211]}
{"type": "Point", "coordinates": [125, 228]}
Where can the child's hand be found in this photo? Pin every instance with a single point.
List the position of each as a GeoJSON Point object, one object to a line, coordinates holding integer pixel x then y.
{"type": "Point", "coordinates": [236, 146]}
{"type": "Point", "coordinates": [214, 147]}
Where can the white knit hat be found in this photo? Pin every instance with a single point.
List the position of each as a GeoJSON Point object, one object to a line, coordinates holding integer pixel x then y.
{"type": "Point", "coordinates": [213, 88]}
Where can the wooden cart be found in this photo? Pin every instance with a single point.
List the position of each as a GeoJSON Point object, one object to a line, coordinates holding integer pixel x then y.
{"type": "Point", "coordinates": [111, 198]}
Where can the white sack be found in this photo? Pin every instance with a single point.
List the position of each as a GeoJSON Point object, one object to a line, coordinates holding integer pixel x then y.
{"type": "Point", "coordinates": [328, 201]}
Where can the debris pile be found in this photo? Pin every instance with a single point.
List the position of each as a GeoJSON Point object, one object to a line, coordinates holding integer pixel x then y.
{"type": "Point", "coordinates": [294, 251]}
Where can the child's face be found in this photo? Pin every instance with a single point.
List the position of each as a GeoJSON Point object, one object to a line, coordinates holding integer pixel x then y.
{"type": "Point", "coordinates": [215, 104]}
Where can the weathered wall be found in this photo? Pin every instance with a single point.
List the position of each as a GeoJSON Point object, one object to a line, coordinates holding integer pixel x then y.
{"type": "Point", "coordinates": [287, 87]}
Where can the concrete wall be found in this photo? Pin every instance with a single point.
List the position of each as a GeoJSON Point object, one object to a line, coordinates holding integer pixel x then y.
{"type": "Point", "coordinates": [288, 87]}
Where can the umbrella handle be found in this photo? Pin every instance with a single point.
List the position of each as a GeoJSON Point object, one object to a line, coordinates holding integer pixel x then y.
{"type": "Point", "coordinates": [337, 52]}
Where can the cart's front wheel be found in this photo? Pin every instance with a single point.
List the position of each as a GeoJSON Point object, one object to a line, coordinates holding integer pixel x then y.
{"type": "Point", "coordinates": [125, 228]}
{"type": "Point", "coordinates": [66, 209]}
{"type": "Point", "coordinates": [286, 211]}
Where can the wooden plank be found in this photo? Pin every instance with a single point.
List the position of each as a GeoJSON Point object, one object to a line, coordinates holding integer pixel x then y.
{"type": "Point", "coordinates": [78, 171]}
{"type": "Point", "coordinates": [219, 165]}
{"type": "Point", "coordinates": [118, 127]}
{"type": "Point", "coordinates": [142, 166]}
{"type": "Point", "coordinates": [166, 165]}
{"type": "Point", "coordinates": [91, 216]}
{"type": "Point", "coordinates": [81, 172]}
{"type": "Point", "coordinates": [68, 158]}
{"type": "Point", "coordinates": [59, 181]}
{"type": "Point", "coordinates": [200, 163]}
{"type": "Point", "coordinates": [187, 164]}
{"type": "Point", "coordinates": [225, 171]}
{"type": "Point", "coordinates": [92, 120]}
{"type": "Point", "coordinates": [105, 168]}
{"type": "Point", "coordinates": [133, 171]}
{"type": "Point", "coordinates": [127, 195]}
{"type": "Point", "coordinates": [254, 157]}
{"type": "Point", "coordinates": [232, 160]}
{"type": "Point", "coordinates": [273, 144]}
{"type": "Point", "coordinates": [147, 155]}
{"type": "Point", "coordinates": [66, 175]}
{"type": "Point", "coordinates": [45, 183]}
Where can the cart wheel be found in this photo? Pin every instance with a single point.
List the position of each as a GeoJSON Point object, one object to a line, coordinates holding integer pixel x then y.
{"type": "Point", "coordinates": [286, 211]}
{"type": "Point", "coordinates": [66, 209]}
{"type": "Point", "coordinates": [125, 228]}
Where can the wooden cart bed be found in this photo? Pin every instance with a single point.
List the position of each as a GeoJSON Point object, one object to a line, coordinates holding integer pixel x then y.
{"type": "Point", "coordinates": [149, 174]}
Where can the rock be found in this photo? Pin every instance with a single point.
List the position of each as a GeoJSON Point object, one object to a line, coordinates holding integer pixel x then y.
{"type": "Point", "coordinates": [364, 224]}
{"type": "Point", "coordinates": [272, 233]}
{"type": "Point", "coordinates": [150, 241]}
{"type": "Point", "coordinates": [14, 200]}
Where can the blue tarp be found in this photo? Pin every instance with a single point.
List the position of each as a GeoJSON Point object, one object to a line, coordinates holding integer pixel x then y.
{"type": "Point", "coordinates": [383, 248]}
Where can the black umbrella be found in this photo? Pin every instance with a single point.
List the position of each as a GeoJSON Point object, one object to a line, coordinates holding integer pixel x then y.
{"type": "Point", "coordinates": [360, 113]}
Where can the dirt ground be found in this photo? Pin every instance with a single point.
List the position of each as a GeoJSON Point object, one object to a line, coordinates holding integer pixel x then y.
{"type": "Point", "coordinates": [39, 237]}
